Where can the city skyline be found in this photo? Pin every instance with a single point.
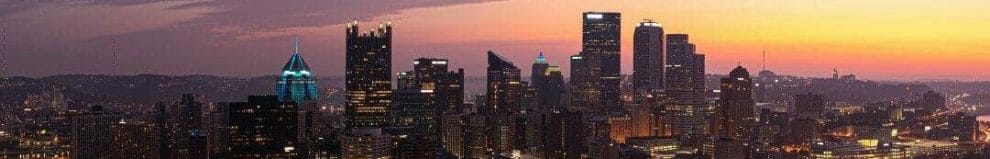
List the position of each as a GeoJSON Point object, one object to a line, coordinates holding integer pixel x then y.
{"type": "Point", "coordinates": [727, 34]}
{"type": "Point", "coordinates": [665, 103]}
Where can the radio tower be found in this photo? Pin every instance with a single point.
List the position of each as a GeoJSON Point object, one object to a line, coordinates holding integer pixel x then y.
{"type": "Point", "coordinates": [113, 60]}
{"type": "Point", "coordinates": [3, 52]}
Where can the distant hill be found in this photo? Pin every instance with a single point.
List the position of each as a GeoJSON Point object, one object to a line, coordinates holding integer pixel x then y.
{"type": "Point", "coordinates": [146, 89]}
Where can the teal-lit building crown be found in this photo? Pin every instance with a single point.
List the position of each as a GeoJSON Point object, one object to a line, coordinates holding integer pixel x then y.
{"type": "Point", "coordinates": [296, 83]}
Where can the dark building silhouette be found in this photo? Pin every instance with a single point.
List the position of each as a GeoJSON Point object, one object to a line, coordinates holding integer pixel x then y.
{"type": "Point", "coordinates": [688, 113]}
{"type": "Point", "coordinates": [368, 75]}
{"type": "Point", "coordinates": [538, 77]}
{"type": "Point", "coordinates": [648, 57]}
{"type": "Point", "coordinates": [262, 127]}
{"type": "Point", "coordinates": [548, 82]}
{"type": "Point", "coordinates": [736, 116]}
{"type": "Point", "coordinates": [296, 82]}
{"type": "Point", "coordinates": [554, 88]}
{"type": "Point", "coordinates": [91, 133]}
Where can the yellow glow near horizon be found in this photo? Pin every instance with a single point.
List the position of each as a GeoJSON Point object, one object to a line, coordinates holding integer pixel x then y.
{"type": "Point", "coordinates": [886, 39]}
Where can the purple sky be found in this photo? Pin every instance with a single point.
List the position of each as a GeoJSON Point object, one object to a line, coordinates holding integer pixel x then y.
{"type": "Point", "coordinates": [223, 37]}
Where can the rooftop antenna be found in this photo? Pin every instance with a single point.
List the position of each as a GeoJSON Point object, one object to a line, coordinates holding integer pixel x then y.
{"type": "Point", "coordinates": [113, 60]}
{"type": "Point", "coordinates": [297, 45]}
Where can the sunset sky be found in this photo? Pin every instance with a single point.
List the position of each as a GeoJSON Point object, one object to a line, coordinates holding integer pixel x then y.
{"type": "Point", "coordinates": [877, 40]}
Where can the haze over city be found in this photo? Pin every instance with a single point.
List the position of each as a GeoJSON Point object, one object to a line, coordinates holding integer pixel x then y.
{"type": "Point", "coordinates": [877, 40]}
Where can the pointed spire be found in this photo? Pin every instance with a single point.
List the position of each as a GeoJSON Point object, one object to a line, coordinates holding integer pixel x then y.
{"type": "Point", "coordinates": [296, 61]}
{"type": "Point", "coordinates": [540, 59]}
{"type": "Point", "coordinates": [296, 45]}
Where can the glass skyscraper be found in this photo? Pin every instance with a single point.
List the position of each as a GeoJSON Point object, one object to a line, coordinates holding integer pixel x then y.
{"type": "Point", "coordinates": [296, 83]}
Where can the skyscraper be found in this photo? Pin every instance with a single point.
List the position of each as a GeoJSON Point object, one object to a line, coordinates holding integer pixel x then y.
{"type": "Point", "coordinates": [369, 92]}
{"type": "Point", "coordinates": [296, 83]}
{"type": "Point", "coordinates": [648, 57]}
{"type": "Point", "coordinates": [548, 81]}
{"type": "Point", "coordinates": [504, 86]}
{"type": "Point", "coordinates": [432, 74]}
{"type": "Point", "coordinates": [368, 75]}
{"type": "Point", "coordinates": [553, 88]}
{"type": "Point", "coordinates": [415, 121]}
{"type": "Point", "coordinates": [504, 95]}
{"type": "Point", "coordinates": [600, 45]}
{"type": "Point", "coordinates": [685, 84]}
{"type": "Point", "coordinates": [538, 77]}
{"type": "Point", "coordinates": [584, 95]}
{"type": "Point", "coordinates": [736, 108]}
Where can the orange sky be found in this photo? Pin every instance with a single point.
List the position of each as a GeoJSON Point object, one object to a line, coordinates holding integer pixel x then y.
{"type": "Point", "coordinates": [885, 40]}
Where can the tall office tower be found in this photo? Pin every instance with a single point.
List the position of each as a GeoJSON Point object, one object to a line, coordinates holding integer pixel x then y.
{"type": "Point", "coordinates": [685, 84]}
{"type": "Point", "coordinates": [736, 108]}
{"type": "Point", "coordinates": [262, 127]}
{"type": "Point", "coordinates": [553, 89]}
{"type": "Point", "coordinates": [504, 86]}
{"type": "Point", "coordinates": [933, 101]}
{"type": "Point", "coordinates": [648, 58]}
{"type": "Point", "coordinates": [600, 43]}
{"type": "Point", "coordinates": [538, 77]}
{"type": "Point", "coordinates": [809, 105]}
{"type": "Point", "coordinates": [415, 114]}
{"type": "Point", "coordinates": [564, 134]}
{"type": "Point", "coordinates": [90, 133]}
{"type": "Point", "coordinates": [584, 95]}
{"type": "Point", "coordinates": [504, 95]}
{"type": "Point", "coordinates": [132, 140]}
{"type": "Point", "coordinates": [432, 74]}
{"type": "Point", "coordinates": [296, 83]}
{"type": "Point", "coordinates": [368, 75]}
